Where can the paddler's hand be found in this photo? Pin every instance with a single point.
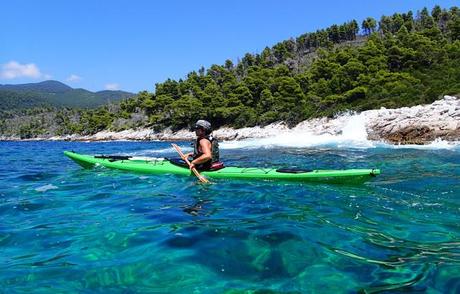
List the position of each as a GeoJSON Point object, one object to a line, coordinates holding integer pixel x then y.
{"type": "Point", "coordinates": [192, 165]}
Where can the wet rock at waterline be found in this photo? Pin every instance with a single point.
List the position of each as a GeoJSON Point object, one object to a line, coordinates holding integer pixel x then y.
{"type": "Point", "coordinates": [416, 125]}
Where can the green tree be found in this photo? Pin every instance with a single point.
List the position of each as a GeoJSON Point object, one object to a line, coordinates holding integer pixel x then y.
{"type": "Point", "coordinates": [425, 20]}
{"type": "Point", "coordinates": [436, 13]}
{"type": "Point", "coordinates": [169, 87]}
{"type": "Point", "coordinates": [266, 102]}
{"type": "Point", "coordinates": [453, 27]}
{"type": "Point", "coordinates": [184, 112]}
{"type": "Point", "coordinates": [408, 20]}
{"type": "Point", "coordinates": [369, 25]}
{"type": "Point", "coordinates": [229, 65]}
{"type": "Point", "coordinates": [385, 25]}
{"type": "Point", "coordinates": [397, 22]}
{"type": "Point", "coordinates": [289, 100]}
{"type": "Point", "coordinates": [241, 95]}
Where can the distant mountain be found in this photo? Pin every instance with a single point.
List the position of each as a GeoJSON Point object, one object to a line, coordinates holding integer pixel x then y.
{"type": "Point", "coordinates": [55, 94]}
{"type": "Point", "coordinates": [46, 86]}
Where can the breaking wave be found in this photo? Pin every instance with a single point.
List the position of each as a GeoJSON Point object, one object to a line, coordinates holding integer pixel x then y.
{"type": "Point", "coordinates": [349, 132]}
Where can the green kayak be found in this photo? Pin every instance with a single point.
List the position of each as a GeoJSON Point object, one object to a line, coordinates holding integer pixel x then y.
{"type": "Point", "coordinates": [165, 166]}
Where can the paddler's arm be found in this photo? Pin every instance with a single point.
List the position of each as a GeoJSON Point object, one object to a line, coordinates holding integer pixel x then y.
{"type": "Point", "coordinates": [206, 149]}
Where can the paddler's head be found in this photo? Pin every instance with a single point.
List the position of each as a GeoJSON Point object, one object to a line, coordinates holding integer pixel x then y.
{"type": "Point", "coordinates": [203, 128]}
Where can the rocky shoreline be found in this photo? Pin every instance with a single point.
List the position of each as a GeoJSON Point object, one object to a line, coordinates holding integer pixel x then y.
{"type": "Point", "coordinates": [420, 124]}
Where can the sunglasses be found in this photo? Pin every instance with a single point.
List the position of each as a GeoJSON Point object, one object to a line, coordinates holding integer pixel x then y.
{"type": "Point", "coordinates": [194, 128]}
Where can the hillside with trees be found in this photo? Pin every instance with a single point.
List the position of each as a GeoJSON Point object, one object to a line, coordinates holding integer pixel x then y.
{"type": "Point", "coordinates": [399, 60]}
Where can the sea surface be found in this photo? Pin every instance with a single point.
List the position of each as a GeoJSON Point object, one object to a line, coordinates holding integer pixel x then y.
{"type": "Point", "coordinates": [64, 229]}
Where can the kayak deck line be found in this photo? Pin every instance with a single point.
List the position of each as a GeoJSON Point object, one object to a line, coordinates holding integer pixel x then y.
{"type": "Point", "coordinates": [164, 166]}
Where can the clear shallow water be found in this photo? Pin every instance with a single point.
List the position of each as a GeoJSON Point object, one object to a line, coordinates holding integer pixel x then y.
{"type": "Point", "coordinates": [65, 229]}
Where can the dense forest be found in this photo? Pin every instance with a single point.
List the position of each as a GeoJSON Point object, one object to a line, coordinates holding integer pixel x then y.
{"type": "Point", "coordinates": [399, 60]}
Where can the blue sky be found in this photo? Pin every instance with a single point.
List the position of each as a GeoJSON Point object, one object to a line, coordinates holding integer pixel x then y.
{"type": "Point", "coordinates": [131, 45]}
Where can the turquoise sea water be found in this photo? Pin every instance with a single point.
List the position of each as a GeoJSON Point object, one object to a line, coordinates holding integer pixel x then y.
{"type": "Point", "coordinates": [64, 229]}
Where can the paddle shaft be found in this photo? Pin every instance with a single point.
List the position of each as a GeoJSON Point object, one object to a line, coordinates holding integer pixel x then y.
{"type": "Point", "coordinates": [197, 174]}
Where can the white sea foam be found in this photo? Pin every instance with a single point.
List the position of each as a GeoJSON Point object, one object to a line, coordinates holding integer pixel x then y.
{"type": "Point", "coordinates": [46, 188]}
{"type": "Point", "coordinates": [436, 144]}
{"type": "Point", "coordinates": [346, 131]}
{"type": "Point", "coordinates": [152, 152]}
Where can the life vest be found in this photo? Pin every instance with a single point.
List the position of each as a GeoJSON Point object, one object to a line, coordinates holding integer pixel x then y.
{"type": "Point", "coordinates": [197, 152]}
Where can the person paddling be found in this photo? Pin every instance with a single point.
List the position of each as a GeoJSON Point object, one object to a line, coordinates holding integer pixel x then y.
{"type": "Point", "coordinates": [205, 153]}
